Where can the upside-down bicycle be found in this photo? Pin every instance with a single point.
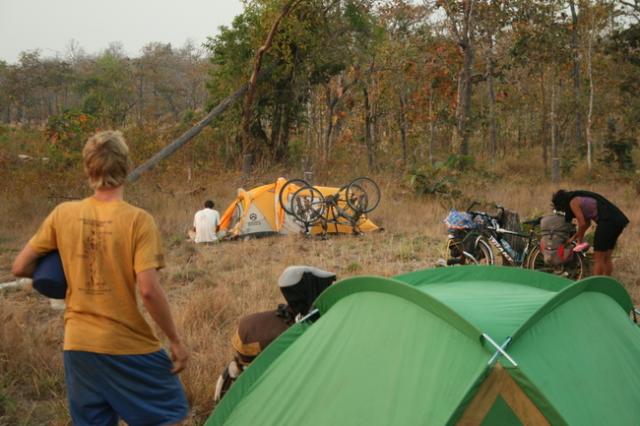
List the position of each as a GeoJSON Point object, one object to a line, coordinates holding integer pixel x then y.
{"type": "Point", "coordinates": [345, 207]}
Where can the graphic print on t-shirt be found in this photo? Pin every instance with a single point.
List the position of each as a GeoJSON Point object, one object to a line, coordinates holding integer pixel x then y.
{"type": "Point", "coordinates": [93, 243]}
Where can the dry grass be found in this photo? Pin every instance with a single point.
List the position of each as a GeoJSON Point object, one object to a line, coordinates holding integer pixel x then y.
{"type": "Point", "coordinates": [211, 287]}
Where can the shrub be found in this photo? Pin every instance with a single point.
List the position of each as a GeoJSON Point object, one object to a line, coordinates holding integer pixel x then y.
{"type": "Point", "coordinates": [69, 130]}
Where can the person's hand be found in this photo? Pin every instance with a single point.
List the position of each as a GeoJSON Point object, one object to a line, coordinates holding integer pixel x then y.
{"type": "Point", "coordinates": [179, 356]}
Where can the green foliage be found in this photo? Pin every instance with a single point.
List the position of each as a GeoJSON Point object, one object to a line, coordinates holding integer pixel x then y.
{"type": "Point", "coordinates": [460, 162]}
{"type": "Point", "coordinates": [108, 89]}
{"type": "Point", "coordinates": [188, 117]}
{"type": "Point", "coordinates": [70, 129]}
{"type": "Point", "coordinates": [438, 181]}
{"type": "Point", "coordinates": [314, 43]}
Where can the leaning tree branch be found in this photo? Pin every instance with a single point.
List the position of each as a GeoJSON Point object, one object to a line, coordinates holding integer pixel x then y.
{"type": "Point", "coordinates": [188, 135]}
{"type": "Point", "coordinates": [251, 85]}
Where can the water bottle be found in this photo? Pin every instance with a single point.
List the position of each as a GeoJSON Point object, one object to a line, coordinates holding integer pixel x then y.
{"type": "Point", "coordinates": [505, 244]}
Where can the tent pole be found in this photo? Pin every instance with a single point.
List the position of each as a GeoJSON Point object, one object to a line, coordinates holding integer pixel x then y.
{"type": "Point", "coordinates": [497, 353]}
{"type": "Point", "coordinates": [309, 315]}
{"type": "Point", "coordinates": [499, 348]}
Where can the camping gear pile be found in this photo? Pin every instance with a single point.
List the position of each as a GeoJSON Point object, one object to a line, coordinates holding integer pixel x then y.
{"type": "Point", "coordinates": [459, 226]}
{"type": "Point", "coordinates": [469, 345]}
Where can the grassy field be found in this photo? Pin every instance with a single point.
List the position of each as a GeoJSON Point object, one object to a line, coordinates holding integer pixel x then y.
{"type": "Point", "coordinates": [211, 287]}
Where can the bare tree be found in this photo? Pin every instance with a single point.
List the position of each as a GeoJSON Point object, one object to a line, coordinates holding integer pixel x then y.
{"type": "Point", "coordinates": [461, 20]}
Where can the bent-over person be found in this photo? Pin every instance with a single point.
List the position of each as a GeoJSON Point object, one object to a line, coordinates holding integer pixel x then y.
{"type": "Point", "coordinates": [587, 207]}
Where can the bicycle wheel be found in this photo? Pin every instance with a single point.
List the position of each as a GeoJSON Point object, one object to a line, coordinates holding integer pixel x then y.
{"type": "Point", "coordinates": [575, 268]}
{"type": "Point", "coordinates": [536, 261]}
{"type": "Point", "coordinates": [363, 195]}
{"type": "Point", "coordinates": [307, 205]}
{"type": "Point", "coordinates": [286, 190]}
{"type": "Point", "coordinates": [480, 254]}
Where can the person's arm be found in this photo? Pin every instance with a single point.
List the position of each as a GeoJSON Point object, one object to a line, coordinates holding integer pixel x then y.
{"type": "Point", "coordinates": [157, 305]}
{"type": "Point", "coordinates": [25, 263]}
{"type": "Point", "coordinates": [42, 242]}
{"type": "Point", "coordinates": [583, 224]}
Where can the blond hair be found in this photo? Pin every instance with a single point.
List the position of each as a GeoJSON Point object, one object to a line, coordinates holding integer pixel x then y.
{"type": "Point", "coordinates": [106, 159]}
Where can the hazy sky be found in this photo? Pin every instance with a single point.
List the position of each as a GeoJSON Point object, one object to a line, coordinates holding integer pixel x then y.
{"type": "Point", "coordinates": [50, 25]}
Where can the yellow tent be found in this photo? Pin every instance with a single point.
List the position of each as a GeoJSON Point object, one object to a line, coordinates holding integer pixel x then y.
{"type": "Point", "coordinates": [257, 213]}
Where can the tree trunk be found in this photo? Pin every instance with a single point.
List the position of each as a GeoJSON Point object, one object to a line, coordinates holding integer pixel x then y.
{"type": "Point", "coordinates": [368, 124]}
{"type": "Point", "coordinates": [432, 127]}
{"type": "Point", "coordinates": [140, 99]}
{"type": "Point", "coordinates": [555, 161]}
{"type": "Point", "coordinates": [402, 123]}
{"type": "Point", "coordinates": [464, 36]}
{"type": "Point", "coordinates": [493, 132]}
{"type": "Point", "coordinates": [591, 94]}
{"type": "Point", "coordinates": [464, 108]}
{"type": "Point", "coordinates": [544, 125]}
{"type": "Point", "coordinates": [576, 75]}
{"type": "Point", "coordinates": [331, 120]}
{"type": "Point", "coordinates": [308, 139]}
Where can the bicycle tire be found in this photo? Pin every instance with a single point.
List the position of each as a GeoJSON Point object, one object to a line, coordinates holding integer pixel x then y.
{"type": "Point", "coordinates": [363, 195]}
{"type": "Point", "coordinates": [286, 206]}
{"type": "Point", "coordinates": [307, 205]}
{"type": "Point", "coordinates": [575, 269]}
{"type": "Point", "coordinates": [481, 255]}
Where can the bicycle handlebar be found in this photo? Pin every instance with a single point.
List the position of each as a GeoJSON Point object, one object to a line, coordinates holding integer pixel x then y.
{"type": "Point", "coordinates": [494, 205]}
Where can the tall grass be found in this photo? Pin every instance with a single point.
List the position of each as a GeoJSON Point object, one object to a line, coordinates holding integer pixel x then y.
{"type": "Point", "coordinates": [210, 287]}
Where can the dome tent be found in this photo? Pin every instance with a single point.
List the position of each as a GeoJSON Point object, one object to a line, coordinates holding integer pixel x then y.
{"type": "Point", "coordinates": [422, 348]}
{"type": "Point", "coordinates": [257, 213]}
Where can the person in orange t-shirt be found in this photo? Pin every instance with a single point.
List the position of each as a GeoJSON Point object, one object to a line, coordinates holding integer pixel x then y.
{"type": "Point", "coordinates": [115, 367]}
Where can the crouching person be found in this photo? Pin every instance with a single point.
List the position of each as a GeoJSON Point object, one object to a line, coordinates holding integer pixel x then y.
{"type": "Point", "coordinates": [300, 286]}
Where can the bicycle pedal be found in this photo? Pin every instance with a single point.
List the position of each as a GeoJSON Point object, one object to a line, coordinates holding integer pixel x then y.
{"type": "Point", "coordinates": [454, 261]}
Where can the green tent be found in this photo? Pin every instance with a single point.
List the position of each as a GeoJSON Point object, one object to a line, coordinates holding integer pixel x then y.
{"type": "Point", "coordinates": [464, 345]}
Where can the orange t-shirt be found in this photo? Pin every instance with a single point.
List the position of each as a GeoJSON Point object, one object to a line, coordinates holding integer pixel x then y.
{"type": "Point", "coordinates": [103, 244]}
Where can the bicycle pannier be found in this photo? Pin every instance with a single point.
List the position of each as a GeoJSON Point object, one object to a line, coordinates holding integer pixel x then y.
{"type": "Point", "coordinates": [554, 232]}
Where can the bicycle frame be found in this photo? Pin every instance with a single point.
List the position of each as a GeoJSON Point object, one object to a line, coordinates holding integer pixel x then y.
{"type": "Point", "coordinates": [522, 256]}
{"type": "Point", "coordinates": [334, 213]}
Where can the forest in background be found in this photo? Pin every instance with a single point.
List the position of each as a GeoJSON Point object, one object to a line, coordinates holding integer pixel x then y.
{"type": "Point", "coordinates": [388, 85]}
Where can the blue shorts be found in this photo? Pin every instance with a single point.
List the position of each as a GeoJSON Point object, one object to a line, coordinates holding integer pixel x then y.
{"type": "Point", "coordinates": [140, 389]}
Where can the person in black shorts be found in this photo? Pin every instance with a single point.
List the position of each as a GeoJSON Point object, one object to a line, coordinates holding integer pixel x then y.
{"type": "Point", "coordinates": [585, 207]}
